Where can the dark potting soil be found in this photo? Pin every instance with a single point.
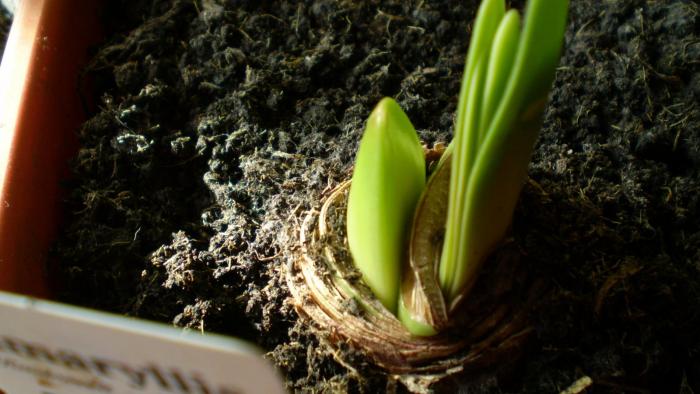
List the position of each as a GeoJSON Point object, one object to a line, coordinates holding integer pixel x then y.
{"type": "Point", "coordinates": [221, 123]}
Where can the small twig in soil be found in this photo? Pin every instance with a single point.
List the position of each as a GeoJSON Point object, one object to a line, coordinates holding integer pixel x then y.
{"type": "Point", "coordinates": [578, 386]}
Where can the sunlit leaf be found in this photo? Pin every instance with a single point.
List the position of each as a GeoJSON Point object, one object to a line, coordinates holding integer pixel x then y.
{"type": "Point", "coordinates": [387, 181]}
{"type": "Point", "coordinates": [466, 135]}
{"type": "Point", "coordinates": [484, 213]}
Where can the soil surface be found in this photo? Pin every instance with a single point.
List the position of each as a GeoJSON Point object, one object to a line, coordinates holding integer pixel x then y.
{"type": "Point", "coordinates": [221, 122]}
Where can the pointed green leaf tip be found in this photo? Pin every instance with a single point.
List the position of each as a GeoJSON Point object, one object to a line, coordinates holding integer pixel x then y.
{"type": "Point", "coordinates": [490, 172]}
{"type": "Point", "coordinates": [387, 181]}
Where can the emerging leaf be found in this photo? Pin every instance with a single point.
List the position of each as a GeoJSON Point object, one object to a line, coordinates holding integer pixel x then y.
{"type": "Point", "coordinates": [483, 196]}
{"type": "Point", "coordinates": [466, 135]}
{"type": "Point", "coordinates": [387, 181]}
{"type": "Point", "coordinates": [503, 50]}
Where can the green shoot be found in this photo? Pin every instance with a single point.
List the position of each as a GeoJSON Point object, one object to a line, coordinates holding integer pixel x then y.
{"type": "Point", "coordinates": [387, 181]}
{"type": "Point", "coordinates": [484, 192]}
{"type": "Point", "coordinates": [472, 193]}
{"type": "Point", "coordinates": [466, 136]}
{"type": "Point", "coordinates": [503, 50]}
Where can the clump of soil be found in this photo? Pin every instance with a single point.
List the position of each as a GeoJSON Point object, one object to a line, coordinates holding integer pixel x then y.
{"type": "Point", "coordinates": [221, 123]}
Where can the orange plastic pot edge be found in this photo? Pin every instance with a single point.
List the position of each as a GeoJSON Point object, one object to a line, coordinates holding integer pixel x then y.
{"type": "Point", "coordinates": [40, 111]}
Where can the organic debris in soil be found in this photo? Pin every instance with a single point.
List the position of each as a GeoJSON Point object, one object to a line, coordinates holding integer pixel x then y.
{"type": "Point", "coordinates": [221, 123]}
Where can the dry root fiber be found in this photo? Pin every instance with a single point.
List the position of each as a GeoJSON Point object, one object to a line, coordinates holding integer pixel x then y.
{"type": "Point", "coordinates": [489, 330]}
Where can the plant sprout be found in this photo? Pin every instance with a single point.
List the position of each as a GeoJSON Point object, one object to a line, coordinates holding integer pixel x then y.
{"type": "Point", "coordinates": [393, 216]}
{"type": "Point", "coordinates": [388, 179]}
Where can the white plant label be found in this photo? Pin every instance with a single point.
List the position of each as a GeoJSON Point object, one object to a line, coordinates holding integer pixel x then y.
{"type": "Point", "coordinates": [51, 348]}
